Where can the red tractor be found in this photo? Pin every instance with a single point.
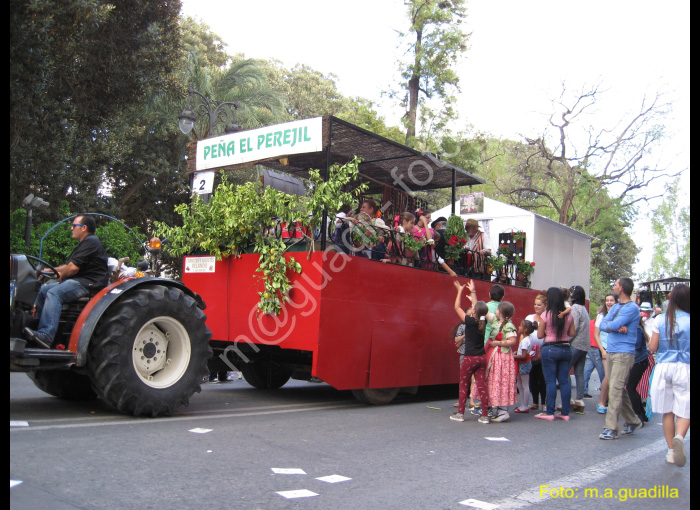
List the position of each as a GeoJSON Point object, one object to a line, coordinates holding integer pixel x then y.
{"type": "Point", "coordinates": [139, 344]}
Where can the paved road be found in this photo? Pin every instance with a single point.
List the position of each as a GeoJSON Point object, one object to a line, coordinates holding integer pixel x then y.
{"type": "Point", "coordinates": [405, 455]}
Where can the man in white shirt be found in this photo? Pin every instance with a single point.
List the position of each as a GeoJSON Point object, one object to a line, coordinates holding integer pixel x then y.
{"type": "Point", "coordinates": [477, 243]}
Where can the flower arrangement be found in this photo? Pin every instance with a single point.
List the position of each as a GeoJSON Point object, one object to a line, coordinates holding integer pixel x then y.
{"type": "Point", "coordinates": [525, 267]}
{"type": "Point", "coordinates": [504, 251]}
{"type": "Point", "coordinates": [365, 235]}
{"type": "Point", "coordinates": [497, 262]}
{"type": "Point", "coordinates": [410, 242]}
{"type": "Point", "coordinates": [518, 235]}
{"type": "Point", "coordinates": [454, 246]}
{"type": "Point", "coordinates": [455, 237]}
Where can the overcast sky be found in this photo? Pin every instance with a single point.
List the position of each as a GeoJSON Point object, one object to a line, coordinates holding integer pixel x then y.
{"type": "Point", "coordinates": [519, 54]}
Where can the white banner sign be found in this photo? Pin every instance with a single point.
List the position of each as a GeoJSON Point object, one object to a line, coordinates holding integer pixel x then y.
{"type": "Point", "coordinates": [268, 142]}
{"type": "Point", "coordinates": [200, 264]}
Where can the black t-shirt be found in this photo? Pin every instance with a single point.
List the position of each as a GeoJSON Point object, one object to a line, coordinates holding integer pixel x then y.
{"type": "Point", "coordinates": [91, 258]}
{"type": "Point", "coordinates": [473, 339]}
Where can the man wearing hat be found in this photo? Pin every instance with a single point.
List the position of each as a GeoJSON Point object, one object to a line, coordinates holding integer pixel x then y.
{"type": "Point", "coordinates": [645, 311]}
{"type": "Point", "coordinates": [477, 243]}
{"type": "Point", "coordinates": [439, 224]}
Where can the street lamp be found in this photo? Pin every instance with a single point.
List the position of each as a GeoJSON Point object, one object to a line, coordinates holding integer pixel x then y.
{"type": "Point", "coordinates": [31, 202]}
{"type": "Point", "coordinates": [214, 112]}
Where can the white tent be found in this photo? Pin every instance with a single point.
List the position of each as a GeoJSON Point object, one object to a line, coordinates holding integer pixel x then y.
{"type": "Point", "coordinates": [562, 255]}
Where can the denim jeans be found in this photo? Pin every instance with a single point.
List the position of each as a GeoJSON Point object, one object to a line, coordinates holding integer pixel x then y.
{"type": "Point", "coordinates": [556, 362]}
{"type": "Point", "coordinates": [578, 361]}
{"type": "Point", "coordinates": [50, 299]}
{"type": "Point", "coordinates": [594, 361]}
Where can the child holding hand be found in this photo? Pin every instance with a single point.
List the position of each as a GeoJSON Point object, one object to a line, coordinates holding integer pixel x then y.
{"type": "Point", "coordinates": [474, 362]}
{"type": "Point", "coordinates": [502, 377]}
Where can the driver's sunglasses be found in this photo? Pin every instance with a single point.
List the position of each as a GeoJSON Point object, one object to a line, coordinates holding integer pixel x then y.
{"type": "Point", "coordinates": [77, 225]}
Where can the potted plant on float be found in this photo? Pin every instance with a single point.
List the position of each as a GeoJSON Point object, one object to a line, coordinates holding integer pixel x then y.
{"type": "Point", "coordinates": [518, 237]}
{"type": "Point", "coordinates": [525, 269]}
{"type": "Point", "coordinates": [455, 239]}
{"type": "Point", "coordinates": [412, 245]}
{"type": "Point", "coordinates": [504, 251]}
{"type": "Point", "coordinates": [496, 263]}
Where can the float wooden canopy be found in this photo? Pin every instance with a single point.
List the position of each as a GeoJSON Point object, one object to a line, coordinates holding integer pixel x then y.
{"type": "Point", "coordinates": [384, 162]}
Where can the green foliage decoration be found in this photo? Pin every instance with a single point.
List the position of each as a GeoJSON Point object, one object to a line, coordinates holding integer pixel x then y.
{"type": "Point", "coordinates": [238, 216]}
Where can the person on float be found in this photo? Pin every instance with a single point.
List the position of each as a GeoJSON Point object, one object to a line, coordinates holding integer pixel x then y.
{"type": "Point", "coordinates": [478, 245]}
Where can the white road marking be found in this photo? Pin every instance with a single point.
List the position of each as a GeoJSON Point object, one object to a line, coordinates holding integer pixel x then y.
{"type": "Point", "coordinates": [582, 478]}
{"type": "Point", "coordinates": [147, 421]}
{"type": "Point", "coordinates": [301, 493]}
{"type": "Point", "coordinates": [333, 478]}
{"type": "Point", "coordinates": [288, 471]}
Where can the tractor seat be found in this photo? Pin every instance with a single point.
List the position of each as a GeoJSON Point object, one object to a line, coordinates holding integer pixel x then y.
{"type": "Point", "coordinates": [79, 303]}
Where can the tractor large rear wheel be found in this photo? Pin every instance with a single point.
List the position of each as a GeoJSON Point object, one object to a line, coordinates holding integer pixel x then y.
{"type": "Point", "coordinates": [149, 352]}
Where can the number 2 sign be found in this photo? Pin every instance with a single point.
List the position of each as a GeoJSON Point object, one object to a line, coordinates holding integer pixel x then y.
{"type": "Point", "coordinates": [203, 183]}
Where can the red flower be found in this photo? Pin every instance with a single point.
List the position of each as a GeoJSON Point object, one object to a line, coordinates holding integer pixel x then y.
{"type": "Point", "coordinates": [532, 264]}
{"type": "Point", "coordinates": [463, 240]}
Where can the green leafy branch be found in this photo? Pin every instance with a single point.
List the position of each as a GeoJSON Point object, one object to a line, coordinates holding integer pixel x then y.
{"type": "Point", "coordinates": [238, 216]}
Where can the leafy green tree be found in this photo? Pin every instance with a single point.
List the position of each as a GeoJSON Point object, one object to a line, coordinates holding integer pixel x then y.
{"type": "Point", "coordinates": [76, 67]}
{"type": "Point", "coordinates": [670, 229]}
{"type": "Point", "coordinates": [197, 38]}
{"type": "Point", "coordinates": [435, 41]}
{"type": "Point", "coordinates": [246, 83]}
{"type": "Point", "coordinates": [308, 92]}
{"type": "Point", "coordinates": [361, 112]}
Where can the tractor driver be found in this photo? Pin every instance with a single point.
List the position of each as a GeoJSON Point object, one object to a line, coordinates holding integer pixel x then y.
{"type": "Point", "coordinates": [85, 271]}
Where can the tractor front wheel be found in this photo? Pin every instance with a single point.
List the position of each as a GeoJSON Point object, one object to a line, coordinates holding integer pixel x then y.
{"type": "Point", "coordinates": [150, 350]}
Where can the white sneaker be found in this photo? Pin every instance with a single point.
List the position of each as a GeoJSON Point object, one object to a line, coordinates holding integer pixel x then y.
{"type": "Point", "coordinates": [457, 417]}
{"type": "Point", "coordinates": [670, 457]}
{"type": "Point", "coordinates": [678, 451]}
{"type": "Point", "coordinates": [501, 416]}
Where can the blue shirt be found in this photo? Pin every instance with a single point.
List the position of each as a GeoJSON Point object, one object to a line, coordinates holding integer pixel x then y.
{"type": "Point", "coordinates": [678, 349]}
{"type": "Point", "coordinates": [620, 315]}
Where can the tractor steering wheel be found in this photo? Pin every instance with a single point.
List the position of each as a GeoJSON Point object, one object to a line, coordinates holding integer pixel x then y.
{"type": "Point", "coordinates": [50, 272]}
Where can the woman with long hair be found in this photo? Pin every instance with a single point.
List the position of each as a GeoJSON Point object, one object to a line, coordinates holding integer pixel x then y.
{"type": "Point", "coordinates": [538, 387]}
{"type": "Point", "coordinates": [555, 329]}
{"type": "Point", "coordinates": [580, 344]}
{"type": "Point", "coordinates": [601, 338]}
{"type": "Point", "coordinates": [670, 385]}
